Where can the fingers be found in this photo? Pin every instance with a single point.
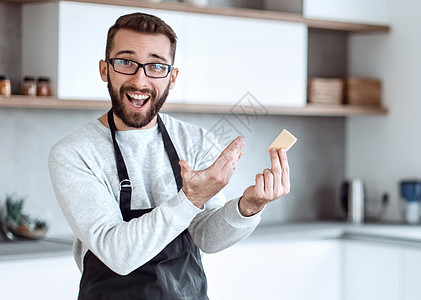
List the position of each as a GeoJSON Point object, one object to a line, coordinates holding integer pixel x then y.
{"type": "Point", "coordinates": [225, 164]}
{"type": "Point", "coordinates": [275, 160]}
{"type": "Point", "coordinates": [231, 153]}
{"type": "Point", "coordinates": [238, 142]}
{"type": "Point", "coordinates": [285, 170]}
{"type": "Point", "coordinates": [268, 182]}
{"type": "Point", "coordinates": [260, 185]}
{"type": "Point", "coordinates": [276, 169]}
{"type": "Point", "coordinates": [264, 185]}
{"type": "Point", "coordinates": [275, 181]}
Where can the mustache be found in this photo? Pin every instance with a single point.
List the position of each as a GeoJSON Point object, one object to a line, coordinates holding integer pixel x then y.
{"type": "Point", "coordinates": [124, 90]}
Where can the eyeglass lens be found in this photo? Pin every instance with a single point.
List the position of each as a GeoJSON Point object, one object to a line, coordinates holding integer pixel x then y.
{"type": "Point", "coordinates": [131, 67]}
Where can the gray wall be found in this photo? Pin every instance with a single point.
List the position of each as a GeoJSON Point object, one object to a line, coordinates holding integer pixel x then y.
{"type": "Point", "coordinates": [316, 161]}
{"type": "Point", "coordinates": [10, 45]}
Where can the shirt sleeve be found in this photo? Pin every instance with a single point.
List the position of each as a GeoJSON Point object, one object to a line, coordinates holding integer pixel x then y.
{"type": "Point", "coordinates": [93, 214]}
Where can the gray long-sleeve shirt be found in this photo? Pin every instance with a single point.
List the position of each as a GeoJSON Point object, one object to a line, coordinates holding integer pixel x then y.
{"type": "Point", "coordinates": [84, 176]}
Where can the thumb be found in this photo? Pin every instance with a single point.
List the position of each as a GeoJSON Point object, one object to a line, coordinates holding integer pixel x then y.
{"type": "Point", "coordinates": [185, 168]}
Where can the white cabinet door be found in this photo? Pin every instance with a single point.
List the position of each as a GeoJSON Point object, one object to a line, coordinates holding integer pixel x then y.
{"type": "Point", "coordinates": [73, 42]}
{"type": "Point", "coordinates": [358, 11]}
{"type": "Point", "coordinates": [370, 271]}
{"type": "Point", "coordinates": [220, 58]}
{"type": "Point", "coordinates": [228, 57]}
{"type": "Point", "coordinates": [411, 274]}
{"type": "Point", "coordinates": [40, 279]}
{"type": "Point", "coordinates": [275, 270]}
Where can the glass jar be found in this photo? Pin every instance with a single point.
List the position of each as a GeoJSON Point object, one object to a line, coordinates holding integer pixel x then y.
{"type": "Point", "coordinates": [5, 89]}
{"type": "Point", "coordinates": [29, 86]}
{"type": "Point", "coordinates": [43, 87]}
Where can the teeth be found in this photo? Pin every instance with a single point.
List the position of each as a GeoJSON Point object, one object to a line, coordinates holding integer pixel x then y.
{"type": "Point", "coordinates": [138, 96]}
{"type": "Point", "coordinates": [138, 100]}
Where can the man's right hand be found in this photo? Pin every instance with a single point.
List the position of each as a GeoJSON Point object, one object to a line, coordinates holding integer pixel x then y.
{"type": "Point", "coordinates": [200, 186]}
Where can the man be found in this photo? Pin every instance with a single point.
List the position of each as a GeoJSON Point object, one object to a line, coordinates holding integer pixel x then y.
{"type": "Point", "coordinates": [127, 186]}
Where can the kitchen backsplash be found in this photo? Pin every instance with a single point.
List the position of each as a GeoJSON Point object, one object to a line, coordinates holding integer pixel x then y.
{"type": "Point", "coordinates": [316, 160]}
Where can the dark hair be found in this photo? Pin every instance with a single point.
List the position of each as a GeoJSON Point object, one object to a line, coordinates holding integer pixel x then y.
{"type": "Point", "coordinates": [143, 23]}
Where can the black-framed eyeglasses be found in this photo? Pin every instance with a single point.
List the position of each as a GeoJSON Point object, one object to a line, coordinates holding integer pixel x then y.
{"type": "Point", "coordinates": [130, 67]}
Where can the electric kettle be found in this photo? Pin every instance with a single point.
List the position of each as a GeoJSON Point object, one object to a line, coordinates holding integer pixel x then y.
{"type": "Point", "coordinates": [353, 201]}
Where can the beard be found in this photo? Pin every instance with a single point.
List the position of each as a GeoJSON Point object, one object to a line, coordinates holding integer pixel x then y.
{"type": "Point", "coordinates": [132, 118]}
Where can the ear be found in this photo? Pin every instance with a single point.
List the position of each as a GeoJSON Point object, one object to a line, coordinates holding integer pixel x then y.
{"type": "Point", "coordinates": [103, 70]}
{"type": "Point", "coordinates": [173, 77]}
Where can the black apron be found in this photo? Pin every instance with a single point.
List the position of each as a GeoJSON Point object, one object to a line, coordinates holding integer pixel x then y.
{"type": "Point", "coordinates": [175, 273]}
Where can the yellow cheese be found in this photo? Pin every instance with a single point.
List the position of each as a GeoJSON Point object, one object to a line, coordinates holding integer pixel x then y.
{"type": "Point", "coordinates": [284, 140]}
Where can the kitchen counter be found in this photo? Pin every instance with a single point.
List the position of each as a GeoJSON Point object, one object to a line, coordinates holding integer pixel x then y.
{"type": "Point", "coordinates": [398, 234]}
{"type": "Point", "coordinates": [27, 249]}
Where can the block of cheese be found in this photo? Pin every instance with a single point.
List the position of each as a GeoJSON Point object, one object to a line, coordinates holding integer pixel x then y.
{"type": "Point", "coordinates": [284, 140]}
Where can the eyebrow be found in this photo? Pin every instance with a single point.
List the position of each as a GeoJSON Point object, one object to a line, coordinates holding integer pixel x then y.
{"type": "Point", "coordinates": [154, 55]}
{"type": "Point", "coordinates": [158, 56]}
{"type": "Point", "coordinates": [125, 52]}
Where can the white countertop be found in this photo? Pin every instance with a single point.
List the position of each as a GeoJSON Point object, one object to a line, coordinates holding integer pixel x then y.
{"type": "Point", "coordinates": [26, 249]}
{"type": "Point", "coordinates": [377, 232]}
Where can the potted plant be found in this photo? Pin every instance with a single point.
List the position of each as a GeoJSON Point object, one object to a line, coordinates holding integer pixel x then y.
{"type": "Point", "coordinates": [17, 224]}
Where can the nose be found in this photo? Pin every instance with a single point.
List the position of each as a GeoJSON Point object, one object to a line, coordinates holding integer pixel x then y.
{"type": "Point", "coordinates": [140, 79]}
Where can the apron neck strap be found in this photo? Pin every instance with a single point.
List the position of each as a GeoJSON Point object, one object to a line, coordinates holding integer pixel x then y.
{"type": "Point", "coordinates": [125, 183]}
{"type": "Point", "coordinates": [172, 153]}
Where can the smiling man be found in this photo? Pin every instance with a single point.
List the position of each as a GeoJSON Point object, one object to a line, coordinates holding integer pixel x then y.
{"type": "Point", "coordinates": [127, 186]}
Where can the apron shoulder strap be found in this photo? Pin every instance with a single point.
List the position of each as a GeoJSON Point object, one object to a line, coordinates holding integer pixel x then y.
{"type": "Point", "coordinates": [172, 153]}
{"type": "Point", "coordinates": [123, 176]}
{"type": "Point", "coordinates": [125, 183]}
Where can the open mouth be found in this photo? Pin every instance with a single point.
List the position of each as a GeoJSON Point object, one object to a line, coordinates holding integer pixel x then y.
{"type": "Point", "coordinates": [138, 100]}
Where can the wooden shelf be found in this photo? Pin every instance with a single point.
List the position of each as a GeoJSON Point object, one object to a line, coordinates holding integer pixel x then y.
{"type": "Point", "coordinates": [309, 110]}
{"type": "Point", "coordinates": [52, 103]}
{"type": "Point", "coordinates": [234, 12]}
